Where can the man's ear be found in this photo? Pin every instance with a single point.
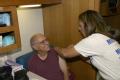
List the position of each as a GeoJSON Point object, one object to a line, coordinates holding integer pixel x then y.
{"type": "Point", "coordinates": [34, 47]}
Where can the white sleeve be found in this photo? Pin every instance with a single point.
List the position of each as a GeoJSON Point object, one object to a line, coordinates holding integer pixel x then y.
{"type": "Point", "coordinates": [87, 47]}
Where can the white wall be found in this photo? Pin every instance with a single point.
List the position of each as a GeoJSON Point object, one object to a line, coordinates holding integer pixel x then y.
{"type": "Point", "coordinates": [30, 22]}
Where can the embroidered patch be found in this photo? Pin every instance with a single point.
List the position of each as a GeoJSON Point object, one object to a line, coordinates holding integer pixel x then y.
{"type": "Point", "coordinates": [118, 51]}
{"type": "Point", "coordinates": [110, 41]}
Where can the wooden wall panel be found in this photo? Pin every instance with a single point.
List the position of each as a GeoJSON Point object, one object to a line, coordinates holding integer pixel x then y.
{"type": "Point", "coordinates": [94, 5]}
{"type": "Point", "coordinates": [113, 20]}
{"type": "Point", "coordinates": [26, 2]}
{"type": "Point", "coordinates": [54, 25]}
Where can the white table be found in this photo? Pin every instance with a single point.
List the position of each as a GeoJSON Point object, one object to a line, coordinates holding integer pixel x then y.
{"type": "Point", "coordinates": [33, 76]}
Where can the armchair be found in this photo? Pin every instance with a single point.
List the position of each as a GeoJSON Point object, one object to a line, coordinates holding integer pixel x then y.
{"type": "Point", "coordinates": [23, 60]}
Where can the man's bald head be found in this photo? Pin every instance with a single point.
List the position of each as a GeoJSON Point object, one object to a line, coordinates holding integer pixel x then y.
{"type": "Point", "coordinates": [37, 38]}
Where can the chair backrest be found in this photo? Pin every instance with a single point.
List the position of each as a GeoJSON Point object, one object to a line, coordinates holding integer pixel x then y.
{"type": "Point", "coordinates": [23, 60]}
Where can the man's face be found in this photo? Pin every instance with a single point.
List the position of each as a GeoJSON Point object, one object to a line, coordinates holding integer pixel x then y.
{"type": "Point", "coordinates": [41, 44]}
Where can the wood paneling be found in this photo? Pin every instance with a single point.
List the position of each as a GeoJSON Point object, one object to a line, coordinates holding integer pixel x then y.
{"type": "Point", "coordinates": [94, 5]}
{"type": "Point", "coordinates": [25, 2]}
{"type": "Point", "coordinates": [114, 21]}
{"type": "Point", "coordinates": [61, 28]}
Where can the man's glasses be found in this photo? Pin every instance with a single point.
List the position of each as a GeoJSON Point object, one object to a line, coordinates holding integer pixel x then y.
{"type": "Point", "coordinates": [41, 42]}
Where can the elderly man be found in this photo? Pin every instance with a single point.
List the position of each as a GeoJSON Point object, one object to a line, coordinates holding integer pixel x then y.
{"type": "Point", "coordinates": [45, 61]}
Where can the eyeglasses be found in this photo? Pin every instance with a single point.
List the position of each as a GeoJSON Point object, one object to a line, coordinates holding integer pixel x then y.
{"type": "Point", "coordinates": [41, 42]}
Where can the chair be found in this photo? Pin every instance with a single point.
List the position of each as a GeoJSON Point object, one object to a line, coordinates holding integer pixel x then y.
{"type": "Point", "coordinates": [23, 60]}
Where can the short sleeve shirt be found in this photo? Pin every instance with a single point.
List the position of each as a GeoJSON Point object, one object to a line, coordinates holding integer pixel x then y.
{"type": "Point", "coordinates": [104, 53]}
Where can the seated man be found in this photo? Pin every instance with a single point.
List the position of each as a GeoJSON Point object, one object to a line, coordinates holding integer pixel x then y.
{"type": "Point", "coordinates": [45, 61]}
